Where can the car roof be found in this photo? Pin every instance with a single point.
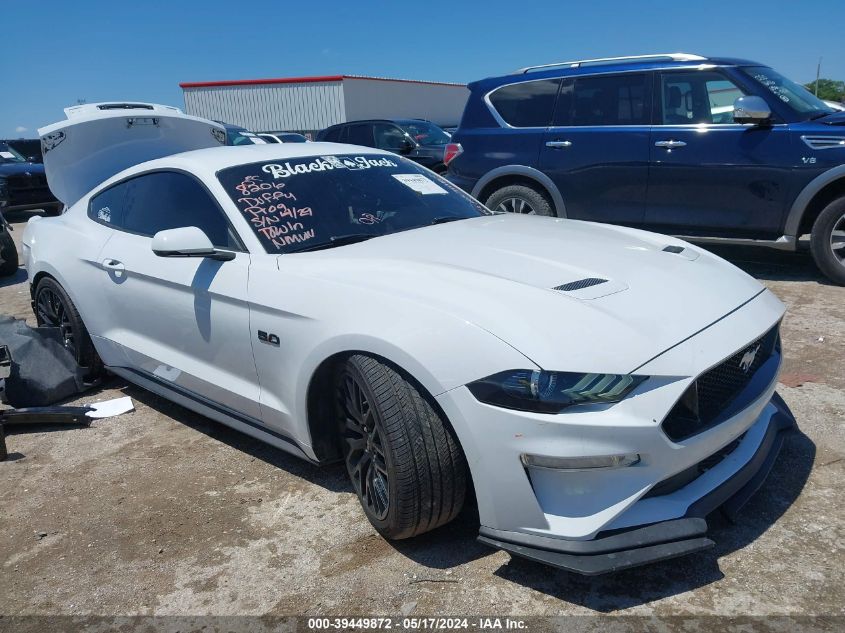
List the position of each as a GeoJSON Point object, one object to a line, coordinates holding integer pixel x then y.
{"type": "Point", "coordinates": [214, 159]}
{"type": "Point", "coordinates": [610, 66]}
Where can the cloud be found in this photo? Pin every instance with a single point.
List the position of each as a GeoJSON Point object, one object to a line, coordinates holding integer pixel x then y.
{"type": "Point", "coordinates": [20, 129]}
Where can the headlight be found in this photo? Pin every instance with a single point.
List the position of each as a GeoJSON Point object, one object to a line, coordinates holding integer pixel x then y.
{"type": "Point", "coordinates": [551, 391]}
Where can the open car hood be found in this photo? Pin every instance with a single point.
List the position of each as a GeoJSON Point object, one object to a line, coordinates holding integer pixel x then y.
{"type": "Point", "coordinates": [99, 140]}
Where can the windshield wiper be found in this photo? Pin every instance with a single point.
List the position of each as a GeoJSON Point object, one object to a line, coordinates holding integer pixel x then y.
{"type": "Point", "coordinates": [820, 115]}
{"type": "Point", "coordinates": [447, 218]}
{"type": "Point", "coordinates": [337, 240]}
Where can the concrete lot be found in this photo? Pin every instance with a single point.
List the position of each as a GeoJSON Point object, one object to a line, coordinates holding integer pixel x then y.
{"type": "Point", "coordinates": [162, 511]}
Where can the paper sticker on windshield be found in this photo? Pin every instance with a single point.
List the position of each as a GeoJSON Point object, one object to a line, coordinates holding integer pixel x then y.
{"type": "Point", "coordinates": [104, 214]}
{"type": "Point", "coordinates": [7, 154]}
{"type": "Point", "coordinates": [419, 183]}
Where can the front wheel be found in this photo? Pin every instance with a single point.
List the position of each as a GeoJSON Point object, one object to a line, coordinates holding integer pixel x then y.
{"type": "Point", "coordinates": [8, 253]}
{"type": "Point", "coordinates": [827, 241]}
{"type": "Point", "coordinates": [404, 462]}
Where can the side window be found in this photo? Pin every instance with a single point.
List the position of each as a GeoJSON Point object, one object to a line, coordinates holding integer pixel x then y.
{"type": "Point", "coordinates": [107, 207]}
{"type": "Point", "coordinates": [170, 200]}
{"type": "Point", "coordinates": [603, 100]}
{"type": "Point", "coordinates": [527, 104]}
{"type": "Point", "coordinates": [333, 135]}
{"type": "Point", "coordinates": [388, 137]}
{"type": "Point", "coordinates": [359, 134]}
{"type": "Point", "coordinates": [698, 97]}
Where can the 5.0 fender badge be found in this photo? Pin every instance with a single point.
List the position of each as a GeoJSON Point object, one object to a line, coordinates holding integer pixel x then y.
{"type": "Point", "coordinates": [269, 339]}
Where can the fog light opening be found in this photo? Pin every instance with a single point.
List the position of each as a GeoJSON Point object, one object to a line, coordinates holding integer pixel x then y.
{"type": "Point", "coordinates": [592, 462]}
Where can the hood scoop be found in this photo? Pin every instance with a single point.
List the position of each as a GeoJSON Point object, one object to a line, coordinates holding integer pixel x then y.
{"type": "Point", "coordinates": [580, 284]}
{"type": "Point", "coordinates": [681, 251]}
{"type": "Point", "coordinates": [591, 288]}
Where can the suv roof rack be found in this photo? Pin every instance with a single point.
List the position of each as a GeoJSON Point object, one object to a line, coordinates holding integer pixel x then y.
{"type": "Point", "coordinates": [675, 57]}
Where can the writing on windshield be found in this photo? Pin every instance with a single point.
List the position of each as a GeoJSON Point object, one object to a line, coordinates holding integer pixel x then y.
{"type": "Point", "coordinates": [299, 203]}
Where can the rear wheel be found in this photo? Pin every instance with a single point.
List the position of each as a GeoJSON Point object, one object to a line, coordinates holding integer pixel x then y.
{"type": "Point", "coordinates": [404, 462]}
{"type": "Point", "coordinates": [53, 308]}
{"type": "Point", "coordinates": [8, 254]}
{"type": "Point", "coordinates": [827, 241]}
{"type": "Point", "coordinates": [520, 199]}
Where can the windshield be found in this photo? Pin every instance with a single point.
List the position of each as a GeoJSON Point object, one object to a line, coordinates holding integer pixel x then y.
{"type": "Point", "coordinates": [796, 97]}
{"type": "Point", "coordinates": [425, 133]}
{"type": "Point", "coordinates": [9, 155]}
{"type": "Point", "coordinates": [323, 201]}
{"type": "Point", "coordinates": [243, 137]}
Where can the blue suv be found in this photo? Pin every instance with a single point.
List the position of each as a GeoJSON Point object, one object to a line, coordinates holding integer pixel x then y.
{"type": "Point", "coordinates": [711, 149]}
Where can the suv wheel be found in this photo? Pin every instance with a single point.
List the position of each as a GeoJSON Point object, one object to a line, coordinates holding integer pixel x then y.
{"type": "Point", "coordinates": [520, 199]}
{"type": "Point", "coordinates": [8, 254]}
{"type": "Point", "coordinates": [404, 462]}
{"type": "Point", "coordinates": [828, 241]}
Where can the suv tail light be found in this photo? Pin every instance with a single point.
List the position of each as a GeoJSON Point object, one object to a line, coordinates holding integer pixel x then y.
{"type": "Point", "coordinates": [452, 151]}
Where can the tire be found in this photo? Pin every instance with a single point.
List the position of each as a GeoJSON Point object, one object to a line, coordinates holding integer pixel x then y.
{"type": "Point", "coordinates": [520, 199]}
{"type": "Point", "coordinates": [53, 307]}
{"type": "Point", "coordinates": [827, 241]}
{"type": "Point", "coordinates": [8, 254]}
{"type": "Point", "coordinates": [404, 462]}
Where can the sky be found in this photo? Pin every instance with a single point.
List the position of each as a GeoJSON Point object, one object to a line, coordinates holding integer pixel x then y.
{"type": "Point", "coordinates": [58, 52]}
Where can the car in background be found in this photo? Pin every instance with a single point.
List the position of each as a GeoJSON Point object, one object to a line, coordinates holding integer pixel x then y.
{"type": "Point", "coordinates": [712, 149]}
{"type": "Point", "coordinates": [835, 105]}
{"type": "Point", "coordinates": [283, 137]}
{"type": "Point", "coordinates": [29, 148]}
{"type": "Point", "coordinates": [420, 140]}
{"type": "Point", "coordinates": [23, 185]}
{"type": "Point", "coordinates": [8, 251]}
{"type": "Point", "coordinates": [238, 135]}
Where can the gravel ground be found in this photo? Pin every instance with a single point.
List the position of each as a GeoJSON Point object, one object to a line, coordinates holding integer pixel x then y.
{"type": "Point", "coordinates": [164, 512]}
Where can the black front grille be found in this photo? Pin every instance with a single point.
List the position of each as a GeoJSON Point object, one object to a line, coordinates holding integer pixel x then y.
{"type": "Point", "coordinates": [681, 479]}
{"type": "Point", "coordinates": [708, 398]}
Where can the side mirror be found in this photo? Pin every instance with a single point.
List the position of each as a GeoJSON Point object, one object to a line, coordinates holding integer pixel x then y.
{"type": "Point", "coordinates": [406, 146]}
{"type": "Point", "coordinates": [751, 109]}
{"type": "Point", "coordinates": [188, 241]}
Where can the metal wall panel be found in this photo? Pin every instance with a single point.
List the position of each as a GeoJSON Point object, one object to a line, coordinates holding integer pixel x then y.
{"type": "Point", "coordinates": [442, 104]}
{"type": "Point", "coordinates": [264, 107]}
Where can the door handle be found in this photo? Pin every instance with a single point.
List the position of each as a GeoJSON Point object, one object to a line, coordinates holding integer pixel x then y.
{"type": "Point", "coordinates": [558, 144]}
{"type": "Point", "coordinates": [113, 264]}
{"type": "Point", "coordinates": [671, 144]}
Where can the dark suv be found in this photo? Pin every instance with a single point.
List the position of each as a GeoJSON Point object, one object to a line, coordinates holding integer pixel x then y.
{"type": "Point", "coordinates": [417, 139]}
{"type": "Point", "coordinates": [23, 185]}
{"type": "Point", "coordinates": [721, 150]}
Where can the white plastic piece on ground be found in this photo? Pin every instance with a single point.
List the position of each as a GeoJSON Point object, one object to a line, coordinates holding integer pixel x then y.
{"type": "Point", "coordinates": [111, 408]}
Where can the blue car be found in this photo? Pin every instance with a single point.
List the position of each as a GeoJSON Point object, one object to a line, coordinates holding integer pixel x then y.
{"type": "Point", "coordinates": [711, 149]}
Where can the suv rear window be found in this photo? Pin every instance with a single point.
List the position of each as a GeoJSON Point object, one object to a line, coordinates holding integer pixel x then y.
{"type": "Point", "coordinates": [527, 104]}
{"type": "Point", "coordinates": [603, 100]}
{"type": "Point", "coordinates": [309, 202]}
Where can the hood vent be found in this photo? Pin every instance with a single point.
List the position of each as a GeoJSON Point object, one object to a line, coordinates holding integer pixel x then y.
{"type": "Point", "coordinates": [580, 284]}
{"type": "Point", "coordinates": [824, 142]}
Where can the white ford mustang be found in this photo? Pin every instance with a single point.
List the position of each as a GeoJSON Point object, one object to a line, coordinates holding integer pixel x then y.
{"type": "Point", "coordinates": [602, 389]}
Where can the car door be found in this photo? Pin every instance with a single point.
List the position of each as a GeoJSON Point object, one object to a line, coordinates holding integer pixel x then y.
{"type": "Point", "coordinates": [596, 150]}
{"type": "Point", "coordinates": [709, 175]}
{"type": "Point", "coordinates": [183, 322]}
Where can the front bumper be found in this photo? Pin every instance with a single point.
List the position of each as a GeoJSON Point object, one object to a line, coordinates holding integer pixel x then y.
{"type": "Point", "coordinates": [571, 512]}
{"type": "Point", "coordinates": [630, 547]}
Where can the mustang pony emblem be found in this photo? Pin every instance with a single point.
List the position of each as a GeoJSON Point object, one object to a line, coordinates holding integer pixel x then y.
{"type": "Point", "coordinates": [748, 359]}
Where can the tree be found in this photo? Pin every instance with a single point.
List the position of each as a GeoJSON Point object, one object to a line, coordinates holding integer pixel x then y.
{"type": "Point", "coordinates": [829, 89]}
